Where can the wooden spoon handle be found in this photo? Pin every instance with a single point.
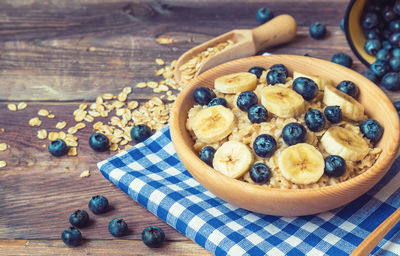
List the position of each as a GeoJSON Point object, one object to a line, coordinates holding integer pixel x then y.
{"type": "Point", "coordinates": [279, 30]}
{"type": "Point", "coordinates": [376, 236]}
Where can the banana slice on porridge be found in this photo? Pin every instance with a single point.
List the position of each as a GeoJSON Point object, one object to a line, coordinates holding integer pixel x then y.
{"type": "Point", "coordinates": [237, 82]}
{"type": "Point", "coordinates": [282, 102]}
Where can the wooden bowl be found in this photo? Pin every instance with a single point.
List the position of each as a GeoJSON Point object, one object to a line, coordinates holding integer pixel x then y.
{"type": "Point", "coordinates": [288, 202]}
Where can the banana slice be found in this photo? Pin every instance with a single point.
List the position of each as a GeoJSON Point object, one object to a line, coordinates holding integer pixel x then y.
{"type": "Point", "coordinates": [345, 143]}
{"type": "Point", "coordinates": [233, 159]}
{"type": "Point", "coordinates": [237, 82]}
{"type": "Point", "coordinates": [301, 164]}
{"type": "Point", "coordinates": [214, 123]}
{"type": "Point", "coordinates": [351, 108]}
{"type": "Point", "coordinates": [321, 82]}
{"type": "Point", "coordinates": [282, 102]}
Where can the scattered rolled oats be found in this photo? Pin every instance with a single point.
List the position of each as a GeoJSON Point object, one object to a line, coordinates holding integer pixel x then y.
{"type": "Point", "coordinates": [122, 97]}
{"type": "Point", "coordinates": [72, 151]}
{"type": "Point", "coordinates": [89, 118]}
{"type": "Point", "coordinates": [152, 84]}
{"type": "Point", "coordinates": [79, 126]}
{"type": "Point", "coordinates": [43, 112]}
{"type": "Point", "coordinates": [12, 107]}
{"type": "Point", "coordinates": [70, 142]}
{"type": "Point", "coordinates": [72, 130]}
{"type": "Point", "coordinates": [3, 146]}
{"type": "Point", "coordinates": [160, 61]}
{"type": "Point", "coordinates": [62, 135]}
{"type": "Point", "coordinates": [22, 105]}
{"type": "Point", "coordinates": [141, 85]}
{"type": "Point", "coordinates": [61, 125]}
{"type": "Point", "coordinates": [35, 121]}
{"type": "Point", "coordinates": [3, 164]}
{"type": "Point", "coordinates": [51, 116]}
{"type": "Point", "coordinates": [164, 40]}
{"type": "Point", "coordinates": [85, 173]}
{"type": "Point", "coordinates": [53, 136]}
{"type": "Point", "coordinates": [42, 134]}
{"type": "Point", "coordinates": [107, 96]}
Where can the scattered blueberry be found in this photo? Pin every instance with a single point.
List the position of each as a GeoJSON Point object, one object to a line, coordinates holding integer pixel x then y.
{"type": "Point", "coordinates": [140, 132]}
{"type": "Point", "coordinates": [275, 76]}
{"type": "Point", "coordinates": [98, 204]}
{"type": "Point", "coordinates": [153, 236]}
{"type": "Point", "coordinates": [203, 95]}
{"type": "Point", "coordinates": [394, 39]}
{"type": "Point", "coordinates": [307, 55]}
{"type": "Point", "coordinates": [260, 173]}
{"type": "Point", "coordinates": [246, 99]}
{"type": "Point", "coordinates": [397, 107]}
{"type": "Point", "coordinates": [218, 101]}
{"type": "Point", "coordinates": [342, 59]}
{"type": "Point", "coordinates": [395, 26]}
{"type": "Point", "coordinates": [342, 24]}
{"type": "Point", "coordinates": [280, 67]}
{"type": "Point", "coordinates": [333, 114]}
{"type": "Point", "coordinates": [391, 81]}
{"type": "Point", "coordinates": [58, 147]}
{"type": "Point", "coordinates": [383, 55]}
{"type": "Point", "coordinates": [379, 68]}
{"type": "Point", "coordinates": [257, 70]}
{"type": "Point", "coordinates": [257, 114]}
{"type": "Point", "coordinates": [99, 142]}
{"type": "Point", "coordinates": [369, 20]}
{"type": "Point", "coordinates": [370, 75]}
{"type": "Point", "coordinates": [118, 227]}
{"type": "Point", "coordinates": [335, 166]}
{"type": "Point", "coordinates": [372, 46]}
{"type": "Point", "coordinates": [207, 155]}
{"type": "Point", "coordinates": [305, 87]}
{"type": "Point", "coordinates": [79, 218]}
{"type": "Point", "coordinates": [264, 145]}
{"type": "Point", "coordinates": [372, 130]}
{"type": "Point", "coordinates": [348, 87]}
{"type": "Point", "coordinates": [394, 64]}
{"type": "Point", "coordinates": [317, 30]}
{"type": "Point", "coordinates": [315, 120]}
{"type": "Point", "coordinates": [263, 15]}
{"type": "Point", "coordinates": [71, 236]}
{"type": "Point", "coordinates": [294, 133]}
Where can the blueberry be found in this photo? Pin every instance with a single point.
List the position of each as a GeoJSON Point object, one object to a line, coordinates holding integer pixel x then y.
{"type": "Point", "coordinates": [305, 87]}
{"type": "Point", "coordinates": [118, 227]}
{"type": "Point", "coordinates": [307, 55]}
{"type": "Point", "coordinates": [71, 236]}
{"type": "Point", "coordinates": [263, 15]}
{"type": "Point", "coordinates": [372, 130]}
{"type": "Point", "coordinates": [153, 236]}
{"type": "Point", "coordinates": [98, 204]}
{"type": "Point", "coordinates": [333, 114]}
{"type": "Point", "coordinates": [386, 45]}
{"type": "Point", "coordinates": [335, 166]}
{"type": "Point", "coordinates": [281, 68]}
{"type": "Point", "coordinates": [391, 81]}
{"type": "Point", "coordinates": [372, 46]}
{"type": "Point", "coordinates": [379, 68]}
{"type": "Point", "coordinates": [246, 99]}
{"type": "Point", "coordinates": [370, 75]}
{"type": "Point", "coordinates": [79, 218]}
{"type": "Point", "coordinates": [140, 132]}
{"type": "Point", "coordinates": [58, 147]}
{"type": "Point", "coordinates": [396, 7]}
{"type": "Point", "coordinates": [315, 120]}
{"type": "Point", "coordinates": [276, 76]}
{"type": "Point", "coordinates": [260, 173]}
{"type": "Point", "coordinates": [342, 24]}
{"type": "Point", "coordinates": [394, 64]}
{"type": "Point", "coordinates": [383, 55]}
{"type": "Point", "coordinates": [395, 26]}
{"type": "Point", "coordinates": [369, 20]}
{"type": "Point", "coordinates": [257, 114]}
{"type": "Point", "coordinates": [294, 133]}
{"type": "Point", "coordinates": [256, 70]}
{"type": "Point", "coordinates": [203, 95]}
{"type": "Point", "coordinates": [264, 145]}
{"type": "Point", "coordinates": [342, 59]}
{"type": "Point", "coordinates": [207, 155]}
{"type": "Point", "coordinates": [372, 33]}
{"type": "Point", "coordinates": [99, 142]}
{"type": "Point", "coordinates": [397, 107]}
{"type": "Point", "coordinates": [388, 14]}
{"type": "Point", "coordinates": [348, 87]}
{"type": "Point", "coordinates": [394, 39]}
{"type": "Point", "coordinates": [396, 52]}
{"type": "Point", "coordinates": [317, 30]}
{"type": "Point", "coordinates": [218, 101]}
{"type": "Point", "coordinates": [386, 34]}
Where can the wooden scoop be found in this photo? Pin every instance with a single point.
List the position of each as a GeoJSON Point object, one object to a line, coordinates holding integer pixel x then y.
{"type": "Point", "coordinates": [246, 42]}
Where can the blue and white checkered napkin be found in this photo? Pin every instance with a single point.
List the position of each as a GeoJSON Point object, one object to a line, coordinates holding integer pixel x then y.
{"type": "Point", "coordinates": [152, 174]}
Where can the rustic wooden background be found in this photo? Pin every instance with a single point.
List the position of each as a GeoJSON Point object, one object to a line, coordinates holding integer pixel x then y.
{"type": "Point", "coordinates": [56, 54]}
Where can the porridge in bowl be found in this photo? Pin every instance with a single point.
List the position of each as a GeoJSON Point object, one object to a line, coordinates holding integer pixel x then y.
{"type": "Point", "coordinates": [267, 128]}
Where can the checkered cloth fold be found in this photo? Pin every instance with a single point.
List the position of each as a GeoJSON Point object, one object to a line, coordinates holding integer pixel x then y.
{"type": "Point", "coordinates": [152, 174]}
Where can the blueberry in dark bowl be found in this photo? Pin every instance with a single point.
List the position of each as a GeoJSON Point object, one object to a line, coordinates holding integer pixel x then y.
{"type": "Point", "coordinates": [333, 114]}
{"type": "Point", "coordinates": [264, 145]}
{"type": "Point", "coordinates": [246, 99]}
{"type": "Point", "coordinates": [257, 70]}
{"type": "Point", "coordinates": [372, 46]}
{"type": "Point", "coordinates": [315, 120]}
{"type": "Point", "coordinates": [306, 87]}
{"type": "Point", "coordinates": [275, 76]}
{"type": "Point", "coordinates": [385, 35]}
{"type": "Point", "coordinates": [207, 155]}
{"type": "Point", "coordinates": [257, 114]}
{"type": "Point", "coordinates": [58, 147]}
{"type": "Point", "coordinates": [263, 15]}
{"type": "Point", "coordinates": [383, 55]}
{"type": "Point", "coordinates": [394, 39]}
{"type": "Point", "coordinates": [98, 204]}
{"type": "Point", "coordinates": [348, 87]}
{"type": "Point", "coordinates": [79, 218]}
{"type": "Point", "coordinates": [260, 173]}
{"type": "Point", "coordinates": [203, 95]}
{"type": "Point", "coordinates": [294, 133]}
{"type": "Point", "coordinates": [280, 67]}
{"type": "Point", "coordinates": [153, 236]}
{"type": "Point", "coordinates": [386, 45]}
{"type": "Point", "coordinates": [396, 52]}
{"type": "Point", "coordinates": [396, 7]}
{"type": "Point", "coordinates": [99, 142]}
{"type": "Point", "coordinates": [397, 107]}
{"type": "Point", "coordinates": [118, 227]}
{"type": "Point", "coordinates": [317, 30]}
{"type": "Point", "coordinates": [342, 59]}
{"type": "Point", "coordinates": [373, 33]}
{"type": "Point", "coordinates": [388, 14]}
{"type": "Point", "coordinates": [335, 166]}
{"type": "Point", "coordinates": [372, 130]}
{"type": "Point", "coordinates": [71, 236]}
{"type": "Point", "coordinates": [218, 101]}
{"type": "Point", "coordinates": [395, 26]}
{"type": "Point", "coordinates": [370, 75]}
{"type": "Point", "coordinates": [379, 68]}
{"type": "Point", "coordinates": [140, 132]}
{"type": "Point", "coordinates": [369, 20]}
{"type": "Point", "coordinates": [394, 64]}
{"type": "Point", "coordinates": [391, 81]}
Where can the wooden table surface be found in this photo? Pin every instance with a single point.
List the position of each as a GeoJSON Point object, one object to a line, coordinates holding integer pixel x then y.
{"type": "Point", "coordinates": [57, 54]}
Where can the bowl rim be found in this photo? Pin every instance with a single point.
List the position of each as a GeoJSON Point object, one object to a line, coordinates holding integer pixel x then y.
{"type": "Point", "coordinates": [381, 165]}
